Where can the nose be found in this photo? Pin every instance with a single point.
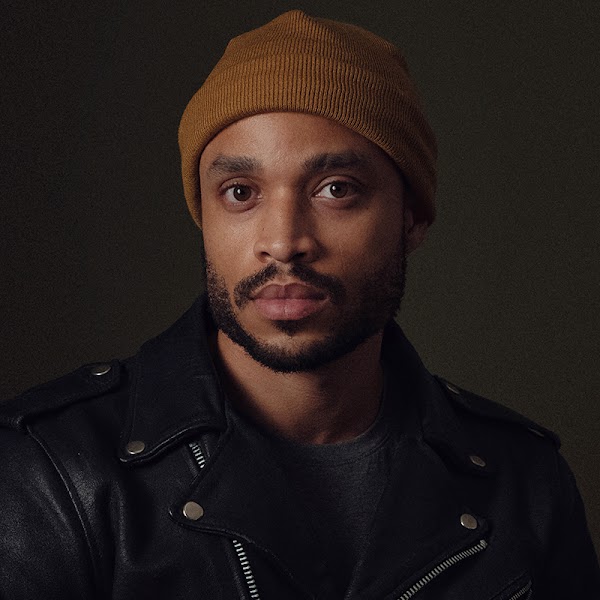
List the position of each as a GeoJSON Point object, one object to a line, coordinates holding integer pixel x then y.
{"type": "Point", "coordinates": [286, 230]}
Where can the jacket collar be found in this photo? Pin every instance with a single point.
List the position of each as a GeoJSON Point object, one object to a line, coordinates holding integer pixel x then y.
{"type": "Point", "coordinates": [436, 402]}
{"type": "Point", "coordinates": [175, 392]}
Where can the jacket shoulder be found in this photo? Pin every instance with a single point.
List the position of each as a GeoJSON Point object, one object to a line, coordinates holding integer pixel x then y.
{"type": "Point", "coordinates": [87, 382]}
{"type": "Point", "coordinates": [494, 412]}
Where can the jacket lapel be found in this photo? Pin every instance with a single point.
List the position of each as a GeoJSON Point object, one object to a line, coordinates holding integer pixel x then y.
{"type": "Point", "coordinates": [175, 391]}
{"type": "Point", "coordinates": [418, 521]}
{"type": "Point", "coordinates": [417, 524]}
{"type": "Point", "coordinates": [246, 496]}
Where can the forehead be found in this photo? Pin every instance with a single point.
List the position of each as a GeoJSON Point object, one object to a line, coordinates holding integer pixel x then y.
{"type": "Point", "coordinates": [288, 137]}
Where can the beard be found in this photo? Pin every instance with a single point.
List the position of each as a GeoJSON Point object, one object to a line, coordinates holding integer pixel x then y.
{"type": "Point", "coordinates": [376, 301]}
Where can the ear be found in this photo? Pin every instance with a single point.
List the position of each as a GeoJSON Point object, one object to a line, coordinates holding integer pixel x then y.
{"type": "Point", "coordinates": [415, 229]}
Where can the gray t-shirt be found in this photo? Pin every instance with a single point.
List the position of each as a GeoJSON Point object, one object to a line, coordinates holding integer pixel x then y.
{"type": "Point", "coordinates": [339, 486]}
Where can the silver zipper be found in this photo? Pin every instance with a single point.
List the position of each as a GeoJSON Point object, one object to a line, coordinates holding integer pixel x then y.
{"type": "Point", "coordinates": [449, 562]}
{"type": "Point", "coordinates": [522, 593]}
{"type": "Point", "coordinates": [198, 455]}
{"type": "Point", "coordinates": [246, 569]}
{"type": "Point", "coordinates": [237, 545]}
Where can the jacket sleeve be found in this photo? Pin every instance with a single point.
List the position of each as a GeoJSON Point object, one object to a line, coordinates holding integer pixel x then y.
{"type": "Point", "coordinates": [572, 570]}
{"type": "Point", "coordinates": [43, 548]}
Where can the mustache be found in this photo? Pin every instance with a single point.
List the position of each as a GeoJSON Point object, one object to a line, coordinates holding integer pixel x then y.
{"type": "Point", "coordinates": [333, 287]}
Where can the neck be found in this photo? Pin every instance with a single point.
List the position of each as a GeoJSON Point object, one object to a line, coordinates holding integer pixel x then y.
{"type": "Point", "coordinates": [334, 403]}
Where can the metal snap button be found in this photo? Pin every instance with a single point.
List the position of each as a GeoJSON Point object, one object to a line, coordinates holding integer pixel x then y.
{"type": "Point", "coordinates": [100, 369]}
{"type": "Point", "coordinates": [135, 447]}
{"type": "Point", "coordinates": [477, 461]}
{"type": "Point", "coordinates": [468, 521]}
{"type": "Point", "coordinates": [192, 511]}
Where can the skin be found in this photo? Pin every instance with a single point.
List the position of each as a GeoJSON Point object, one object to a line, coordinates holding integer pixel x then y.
{"type": "Point", "coordinates": [293, 198]}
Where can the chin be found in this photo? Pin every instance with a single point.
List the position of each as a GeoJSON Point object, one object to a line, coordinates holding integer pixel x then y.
{"type": "Point", "coordinates": [295, 351]}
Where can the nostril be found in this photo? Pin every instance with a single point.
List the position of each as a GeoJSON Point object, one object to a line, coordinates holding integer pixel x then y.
{"type": "Point", "coordinates": [286, 232]}
{"type": "Point", "coordinates": [282, 251]}
{"type": "Point", "coordinates": [286, 249]}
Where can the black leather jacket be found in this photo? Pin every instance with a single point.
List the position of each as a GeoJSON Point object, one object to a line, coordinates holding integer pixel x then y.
{"type": "Point", "coordinates": [128, 480]}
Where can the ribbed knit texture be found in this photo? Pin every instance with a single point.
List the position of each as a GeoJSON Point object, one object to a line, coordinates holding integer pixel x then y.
{"type": "Point", "coordinates": [297, 63]}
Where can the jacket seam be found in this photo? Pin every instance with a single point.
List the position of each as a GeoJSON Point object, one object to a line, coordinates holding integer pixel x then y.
{"type": "Point", "coordinates": [76, 502]}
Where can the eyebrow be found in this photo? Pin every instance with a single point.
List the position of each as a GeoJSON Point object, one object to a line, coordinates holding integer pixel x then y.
{"type": "Point", "coordinates": [228, 165]}
{"type": "Point", "coordinates": [326, 161]}
{"type": "Point", "coordinates": [329, 161]}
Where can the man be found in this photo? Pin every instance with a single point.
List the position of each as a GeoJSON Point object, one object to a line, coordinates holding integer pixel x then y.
{"type": "Point", "coordinates": [283, 439]}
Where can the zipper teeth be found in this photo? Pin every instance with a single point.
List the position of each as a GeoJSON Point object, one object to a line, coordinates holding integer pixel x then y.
{"type": "Point", "coordinates": [449, 562]}
{"type": "Point", "coordinates": [198, 455]}
{"type": "Point", "coordinates": [239, 549]}
{"type": "Point", "coordinates": [522, 592]}
{"type": "Point", "coordinates": [246, 569]}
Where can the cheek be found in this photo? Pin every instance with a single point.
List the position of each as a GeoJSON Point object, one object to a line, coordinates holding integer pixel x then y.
{"type": "Point", "coordinates": [371, 243]}
{"type": "Point", "coordinates": [219, 255]}
{"type": "Point", "coordinates": [223, 234]}
{"type": "Point", "coordinates": [229, 261]}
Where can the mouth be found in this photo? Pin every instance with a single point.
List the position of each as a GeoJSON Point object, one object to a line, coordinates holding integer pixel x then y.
{"type": "Point", "coordinates": [288, 302]}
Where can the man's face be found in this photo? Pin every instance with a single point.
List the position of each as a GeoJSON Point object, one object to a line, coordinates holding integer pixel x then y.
{"type": "Point", "coordinates": [305, 234]}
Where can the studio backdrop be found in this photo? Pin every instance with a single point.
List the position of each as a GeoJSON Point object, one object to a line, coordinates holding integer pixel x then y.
{"type": "Point", "coordinates": [98, 252]}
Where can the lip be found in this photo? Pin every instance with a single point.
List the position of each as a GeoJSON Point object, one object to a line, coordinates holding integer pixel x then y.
{"type": "Point", "coordinates": [288, 302]}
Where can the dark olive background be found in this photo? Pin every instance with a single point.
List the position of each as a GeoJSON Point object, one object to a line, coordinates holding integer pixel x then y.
{"type": "Point", "coordinates": [98, 252]}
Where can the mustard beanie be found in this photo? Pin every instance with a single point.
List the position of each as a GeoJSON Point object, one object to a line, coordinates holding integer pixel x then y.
{"type": "Point", "coordinates": [297, 63]}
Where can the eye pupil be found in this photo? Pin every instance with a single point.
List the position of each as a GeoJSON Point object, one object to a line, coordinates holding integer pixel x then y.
{"type": "Point", "coordinates": [338, 190]}
{"type": "Point", "coordinates": [241, 192]}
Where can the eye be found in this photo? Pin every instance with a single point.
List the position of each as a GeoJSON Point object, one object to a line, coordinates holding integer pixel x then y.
{"type": "Point", "coordinates": [238, 193]}
{"type": "Point", "coordinates": [337, 190]}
